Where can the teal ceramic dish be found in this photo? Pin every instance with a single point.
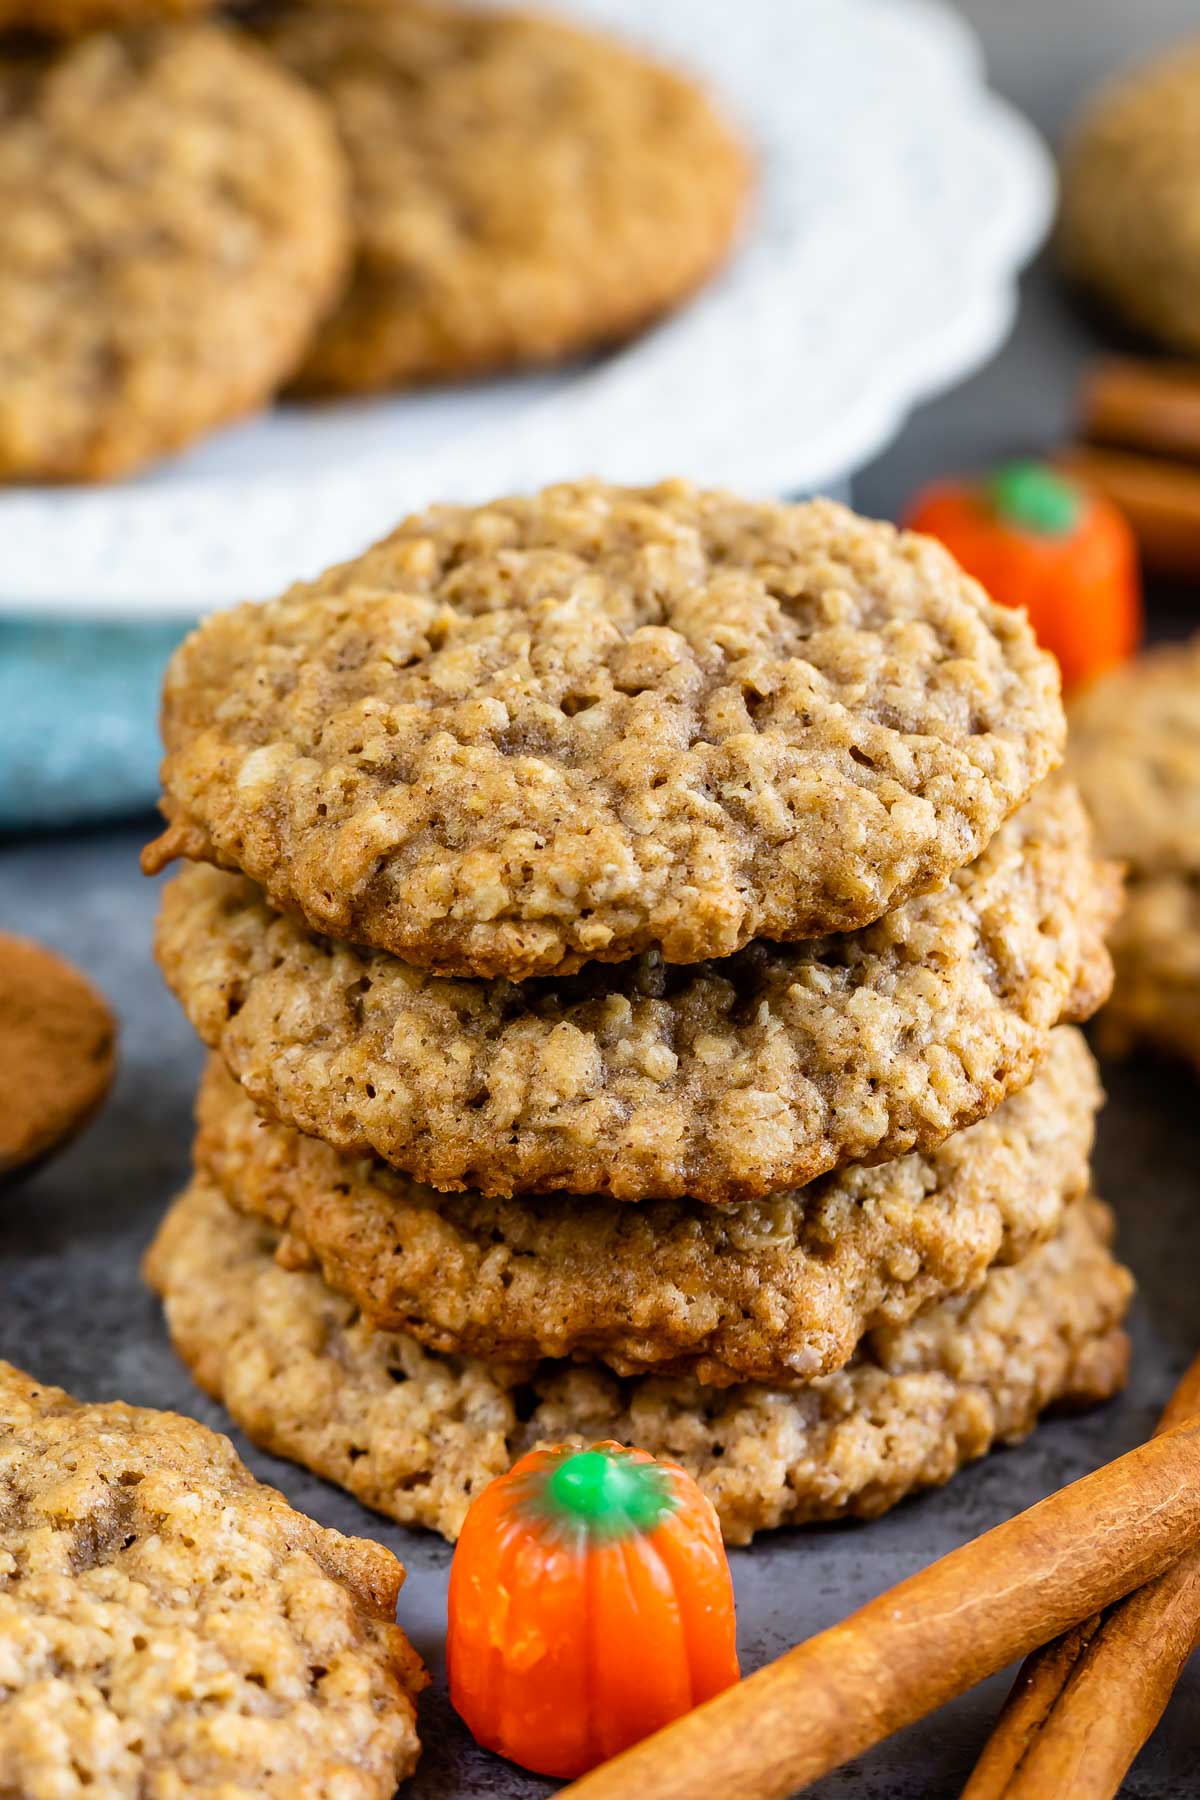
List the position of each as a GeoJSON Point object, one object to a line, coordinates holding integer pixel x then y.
{"type": "Point", "coordinates": [79, 719]}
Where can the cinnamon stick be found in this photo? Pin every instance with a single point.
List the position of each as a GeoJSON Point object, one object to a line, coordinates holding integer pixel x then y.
{"type": "Point", "coordinates": [1082, 1707]}
{"type": "Point", "coordinates": [1143, 405]}
{"type": "Point", "coordinates": [929, 1639]}
{"type": "Point", "coordinates": [1160, 498]}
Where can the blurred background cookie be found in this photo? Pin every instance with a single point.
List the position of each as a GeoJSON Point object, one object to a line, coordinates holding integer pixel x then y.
{"type": "Point", "coordinates": [57, 1050]}
{"type": "Point", "coordinates": [174, 225]}
{"type": "Point", "coordinates": [522, 190]}
{"type": "Point", "coordinates": [68, 18]}
{"type": "Point", "coordinates": [1130, 225]}
{"type": "Point", "coordinates": [1135, 749]}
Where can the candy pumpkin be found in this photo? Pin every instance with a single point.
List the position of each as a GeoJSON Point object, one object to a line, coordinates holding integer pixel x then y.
{"type": "Point", "coordinates": [590, 1604]}
{"type": "Point", "coordinates": [1037, 539]}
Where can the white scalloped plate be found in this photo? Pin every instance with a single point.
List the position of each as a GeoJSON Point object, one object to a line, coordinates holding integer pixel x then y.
{"type": "Point", "coordinates": [898, 200]}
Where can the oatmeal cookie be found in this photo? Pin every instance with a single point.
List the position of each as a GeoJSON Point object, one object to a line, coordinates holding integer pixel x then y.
{"type": "Point", "coordinates": [1130, 225]}
{"type": "Point", "coordinates": [1135, 753]}
{"type": "Point", "coordinates": [1156, 953]}
{"type": "Point", "coordinates": [1135, 749]}
{"type": "Point", "coordinates": [522, 190]}
{"type": "Point", "coordinates": [515, 738]}
{"type": "Point", "coordinates": [417, 1435]}
{"type": "Point", "coordinates": [57, 1049]}
{"type": "Point", "coordinates": [168, 1625]}
{"type": "Point", "coordinates": [723, 1082]}
{"type": "Point", "coordinates": [777, 1290]}
{"type": "Point", "coordinates": [175, 223]}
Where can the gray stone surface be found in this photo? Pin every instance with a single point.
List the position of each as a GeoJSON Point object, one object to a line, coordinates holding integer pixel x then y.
{"type": "Point", "coordinates": [72, 1308]}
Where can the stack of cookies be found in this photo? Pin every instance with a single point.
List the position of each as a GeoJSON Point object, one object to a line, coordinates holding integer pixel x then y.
{"type": "Point", "coordinates": [640, 935]}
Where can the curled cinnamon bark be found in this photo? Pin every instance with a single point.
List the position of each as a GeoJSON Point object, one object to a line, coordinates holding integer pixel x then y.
{"type": "Point", "coordinates": [1142, 404]}
{"type": "Point", "coordinates": [929, 1639]}
{"type": "Point", "coordinates": [1082, 1707]}
{"type": "Point", "coordinates": [1140, 422]}
{"type": "Point", "coordinates": [1159, 497]}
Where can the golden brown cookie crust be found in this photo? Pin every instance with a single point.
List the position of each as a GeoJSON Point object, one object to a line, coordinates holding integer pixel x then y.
{"type": "Point", "coordinates": [512, 739]}
{"type": "Point", "coordinates": [779, 1290]}
{"type": "Point", "coordinates": [522, 190]}
{"type": "Point", "coordinates": [724, 1082]}
{"type": "Point", "coordinates": [417, 1436]}
{"type": "Point", "coordinates": [170, 1625]}
{"type": "Point", "coordinates": [175, 223]}
{"type": "Point", "coordinates": [1129, 229]}
{"type": "Point", "coordinates": [58, 1043]}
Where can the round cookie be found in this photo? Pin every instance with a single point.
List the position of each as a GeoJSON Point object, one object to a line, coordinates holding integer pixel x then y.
{"type": "Point", "coordinates": [1155, 945]}
{"type": "Point", "coordinates": [171, 1626]}
{"type": "Point", "coordinates": [1130, 225]}
{"type": "Point", "coordinates": [1135, 754]}
{"type": "Point", "coordinates": [70, 18]}
{"type": "Point", "coordinates": [175, 223]}
{"type": "Point", "coordinates": [1135, 748]}
{"type": "Point", "coordinates": [779, 1290]}
{"type": "Point", "coordinates": [723, 1082]}
{"type": "Point", "coordinates": [522, 190]}
{"type": "Point", "coordinates": [58, 1044]}
{"type": "Point", "coordinates": [515, 738]}
{"type": "Point", "coordinates": [417, 1435]}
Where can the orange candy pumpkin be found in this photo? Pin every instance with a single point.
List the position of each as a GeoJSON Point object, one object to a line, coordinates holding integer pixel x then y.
{"type": "Point", "coordinates": [590, 1604]}
{"type": "Point", "coordinates": [1037, 539]}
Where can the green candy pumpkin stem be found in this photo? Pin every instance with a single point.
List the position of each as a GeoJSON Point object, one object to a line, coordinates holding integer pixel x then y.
{"type": "Point", "coordinates": [606, 1493]}
{"type": "Point", "coordinates": [1034, 498]}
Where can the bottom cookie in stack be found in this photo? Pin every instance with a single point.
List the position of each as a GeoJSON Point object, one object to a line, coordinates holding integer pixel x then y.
{"type": "Point", "coordinates": [416, 1433]}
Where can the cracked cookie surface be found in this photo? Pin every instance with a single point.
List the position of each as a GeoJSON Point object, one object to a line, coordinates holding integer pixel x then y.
{"type": "Point", "coordinates": [522, 190]}
{"type": "Point", "coordinates": [169, 1625]}
{"type": "Point", "coordinates": [417, 1435]}
{"type": "Point", "coordinates": [513, 739]}
{"type": "Point", "coordinates": [174, 225]}
{"type": "Point", "coordinates": [779, 1290]}
{"type": "Point", "coordinates": [723, 1082]}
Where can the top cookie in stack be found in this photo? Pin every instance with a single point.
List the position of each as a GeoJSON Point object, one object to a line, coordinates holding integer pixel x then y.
{"type": "Point", "coordinates": [661, 847]}
{"type": "Point", "coordinates": [514, 739]}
